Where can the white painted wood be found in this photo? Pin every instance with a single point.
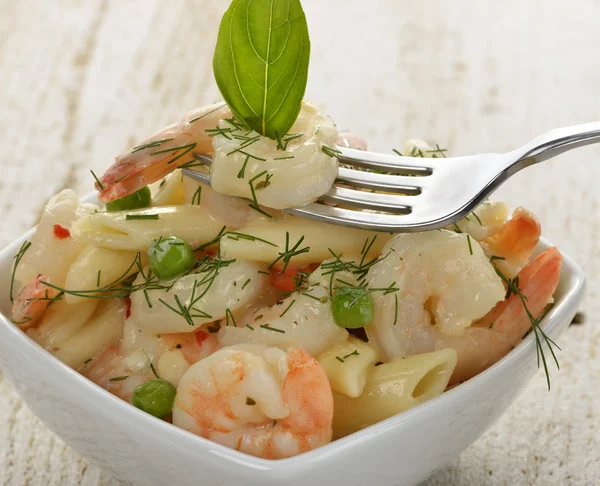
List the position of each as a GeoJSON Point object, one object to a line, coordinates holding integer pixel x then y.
{"type": "Point", "coordinates": [81, 81]}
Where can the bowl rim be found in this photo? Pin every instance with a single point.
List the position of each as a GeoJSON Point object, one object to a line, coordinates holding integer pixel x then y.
{"type": "Point", "coordinates": [551, 324]}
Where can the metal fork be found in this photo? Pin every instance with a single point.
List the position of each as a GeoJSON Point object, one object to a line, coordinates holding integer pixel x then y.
{"type": "Point", "coordinates": [409, 194]}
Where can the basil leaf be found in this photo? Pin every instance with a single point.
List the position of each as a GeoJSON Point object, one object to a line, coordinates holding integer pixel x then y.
{"type": "Point", "coordinates": [261, 62]}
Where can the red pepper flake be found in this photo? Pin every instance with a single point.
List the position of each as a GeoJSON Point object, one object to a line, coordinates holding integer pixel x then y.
{"type": "Point", "coordinates": [61, 232]}
{"type": "Point", "coordinates": [201, 336]}
{"type": "Point", "coordinates": [128, 309]}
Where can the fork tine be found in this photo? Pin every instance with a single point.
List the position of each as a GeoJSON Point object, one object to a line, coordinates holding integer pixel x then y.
{"type": "Point", "coordinates": [394, 164]}
{"type": "Point", "coordinates": [382, 182]}
{"type": "Point", "coordinates": [408, 223]}
{"type": "Point", "coordinates": [390, 203]}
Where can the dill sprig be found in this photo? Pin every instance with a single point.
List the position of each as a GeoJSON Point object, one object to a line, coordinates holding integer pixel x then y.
{"type": "Point", "coordinates": [331, 152]}
{"type": "Point", "coordinates": [152, 144]}
{"type": "Point", "coordinates": [132, 217]}
{"type": "Point", "coordinates": [196, 198]}
{"type": "Point", "coordinates": [289, 252]}
{"type": "Point", "coordinates": [112, 290]}
{"type": "Point", "coordinates": [97, 180]}
{"type": "Point", "coordinates": [17, 258]}
{"type": "Point", "coordinates": [540, 336]}
{"type": "Point", "coordinates": [186, 149]}
{"type": "Point", "coordinates": [269, 328]}
{"type": "Point", "coordinates": [262, 184]}
{"type": "Point", "coordinates": [287, 308]}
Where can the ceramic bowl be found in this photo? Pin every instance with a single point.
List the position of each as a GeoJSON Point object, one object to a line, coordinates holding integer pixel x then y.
{"type": "Point", "coordinates": [142, 450]}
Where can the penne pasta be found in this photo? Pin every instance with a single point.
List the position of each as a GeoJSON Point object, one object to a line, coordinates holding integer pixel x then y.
{"type": "Point", "coordinates": [197, 299]}
{"type": "Point", "coordinates": [169, 191]}
{"type": "Point", "coordinates": [135, 230]}
{"type": "Point", "coordinates": [104, 329]}
{"type": "Point", "coordinates": [392, 388]}
{"type": "Point", "coordinates": [347, 366]}
{"type": "Point", "coordinates": [319, 238]}
{"type": "Point", "coordinates": [61, 321]}
{"type": "Point", "coordinates": [51, 255]}
{"type": "Point", "coordinates": [98, 267]}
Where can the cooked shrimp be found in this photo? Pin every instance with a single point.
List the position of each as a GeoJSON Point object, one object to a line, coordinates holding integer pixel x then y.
{"type": "Point", "coordinates": [162, 153]}
{"type": "Point", "coordinates": [514, 241]}
{"type": "Point", "coordinates": [302, 319]}
{"type": "Point", "coordinates": [32, 301]}
{"type": "Point", "coordinates": [121, 368]}
{"type": "Point", "coordinates": [289, 172]}
{"type": "Point", "coordinates": [258, 400]}
{"type": "Point", "coordinates": [490, 338]}
{"type": "Point", "coordinates": [351, 140]}
{"type": "Point", "coordinates": [444, 278]}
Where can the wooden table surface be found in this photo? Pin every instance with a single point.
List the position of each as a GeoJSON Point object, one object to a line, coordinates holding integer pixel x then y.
{"type": "Point", "coordinates": [81, 81]}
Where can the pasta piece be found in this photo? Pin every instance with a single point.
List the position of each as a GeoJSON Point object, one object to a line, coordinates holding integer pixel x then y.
{"type": "Point", "coordinates": [393, 388]}
{"type": "Point", "coordinates": [484, 221]}
{"type": "Point", "coordinates": [347, 365]}
{"type": "Point", "coordinates": [303, 319]}
{"type": "Point", "coordinates": [319, 238]}
{"type": "Point", "coordinates": [104, 329]}
{"type": "Point", "coordinates": [169, 191]}
{"type": "Point", "coordinates": [234, 286]}
{"type": "Point", "coordinates": [61, 320]}
{"type": "Point", "coordinates": [233, 211]}
{"type": "Point", "coordinates": [97, 267]}
{"type": "Point", "coordinates": [115, 231]}
{"type": "Point", "coordinates": [49, 254]}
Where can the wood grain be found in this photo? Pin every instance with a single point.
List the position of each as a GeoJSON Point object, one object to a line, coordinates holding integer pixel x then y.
{"type": "Point", "coordinates": [81, 81]}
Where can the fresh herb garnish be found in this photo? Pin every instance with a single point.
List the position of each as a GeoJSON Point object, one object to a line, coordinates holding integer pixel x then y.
{"type": "Point", "coordinates": [261, 63]}
{"type": "Point", "coordinates": [119, 378]}
{"type": "Point", "coordinates": [289, 253]}
{"type": "Point", "coordinates": [17, 258]}
{"type": "Point", "coordinates": [131, 217]}
{"type": "Point", "coordinates": [97, 181]}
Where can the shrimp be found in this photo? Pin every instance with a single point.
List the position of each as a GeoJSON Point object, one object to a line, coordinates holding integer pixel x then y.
{"type": "Point", "coordinates": [262, 401]}
{"type": "Point", "coordinates": [161, 153]}
{"type": "Point", "coordinates": [289, 172]}
{"type": "Point", "coordinates": [444, 278]}
{"type": "Point", "coordinates": [490, 338]}
{"type": "Point", "coordinates": [123, 367]}
{"type": "Point", "coordinates": [514, 241]}
{"type": "Point", "coordinates": [32, 302]}
{"type": "Point", "coordinates": [302, 319]}
{"type": "Point", "coordinates": [351, 140]}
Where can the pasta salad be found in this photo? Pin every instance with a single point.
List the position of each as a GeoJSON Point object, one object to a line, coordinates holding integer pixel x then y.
{"type": "Point", "coordinates": [211, 308]}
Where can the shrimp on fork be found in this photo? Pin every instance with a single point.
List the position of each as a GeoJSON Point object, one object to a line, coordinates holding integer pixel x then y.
{"type": "Point", "coordinates": [262, 401]}
{"type": "Point", "coordinates": [162, 153]}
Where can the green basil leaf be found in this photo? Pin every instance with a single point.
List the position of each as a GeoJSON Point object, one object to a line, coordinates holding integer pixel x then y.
{"type": "Point", "coordinates": [261, 62]}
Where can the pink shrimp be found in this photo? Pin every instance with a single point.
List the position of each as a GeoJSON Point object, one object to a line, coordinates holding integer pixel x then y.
{"type": "Point", "coordinates": [351, 140]}
{"type": "Point", "coordinates": [490, 338]}
{"type": "Point", "coordinates": [194, 346]}
{"type": "Point", "coordinates": [514, 241]}
{"type": "Point", "coordinates": [162, 153]}
{"type": "Point", "coordinates": [32, 302]}
{"type": "Point", "coordinates": [258, 400]}
{"type": "Point", "coordinates": [119, 361]}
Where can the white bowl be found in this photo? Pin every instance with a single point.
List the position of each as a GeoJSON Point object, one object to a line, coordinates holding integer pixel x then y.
{"type": "Point", "coordinates": [140, 449]}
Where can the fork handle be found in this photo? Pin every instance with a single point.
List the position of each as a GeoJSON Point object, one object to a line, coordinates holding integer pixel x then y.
{"type": "Point", "coordinates": [554, 143]}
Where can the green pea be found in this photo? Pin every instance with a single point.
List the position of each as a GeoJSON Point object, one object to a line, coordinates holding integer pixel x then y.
{"type": "Point", "coordinates": [139, 199]}
{"type": "Point", "coordinates": [155, 397]}
{"type": "Point", "coordinates": [352, 308]}
{"type": "Point", "coordinates": [170, 257]}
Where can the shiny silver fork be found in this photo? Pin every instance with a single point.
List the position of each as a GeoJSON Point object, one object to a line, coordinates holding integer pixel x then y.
{"type": "Point", "coordinates": [408, 194]}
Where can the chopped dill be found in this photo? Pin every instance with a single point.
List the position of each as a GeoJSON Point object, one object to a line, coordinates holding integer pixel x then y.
{"type": "Point", "coordinates": [269, 328]}
{"type": "Point", "coordinates": [97, 181]}
{"type": "Point", "coordinates": [17, 258]}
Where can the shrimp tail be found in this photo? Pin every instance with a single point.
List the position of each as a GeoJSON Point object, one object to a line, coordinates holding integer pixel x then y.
{"type": "Point", "coordinates": [494, 335]}
{"type": "Point", "coordinates": [517, 238]}
{"type": "Point", "coordinates": [32, 302]}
